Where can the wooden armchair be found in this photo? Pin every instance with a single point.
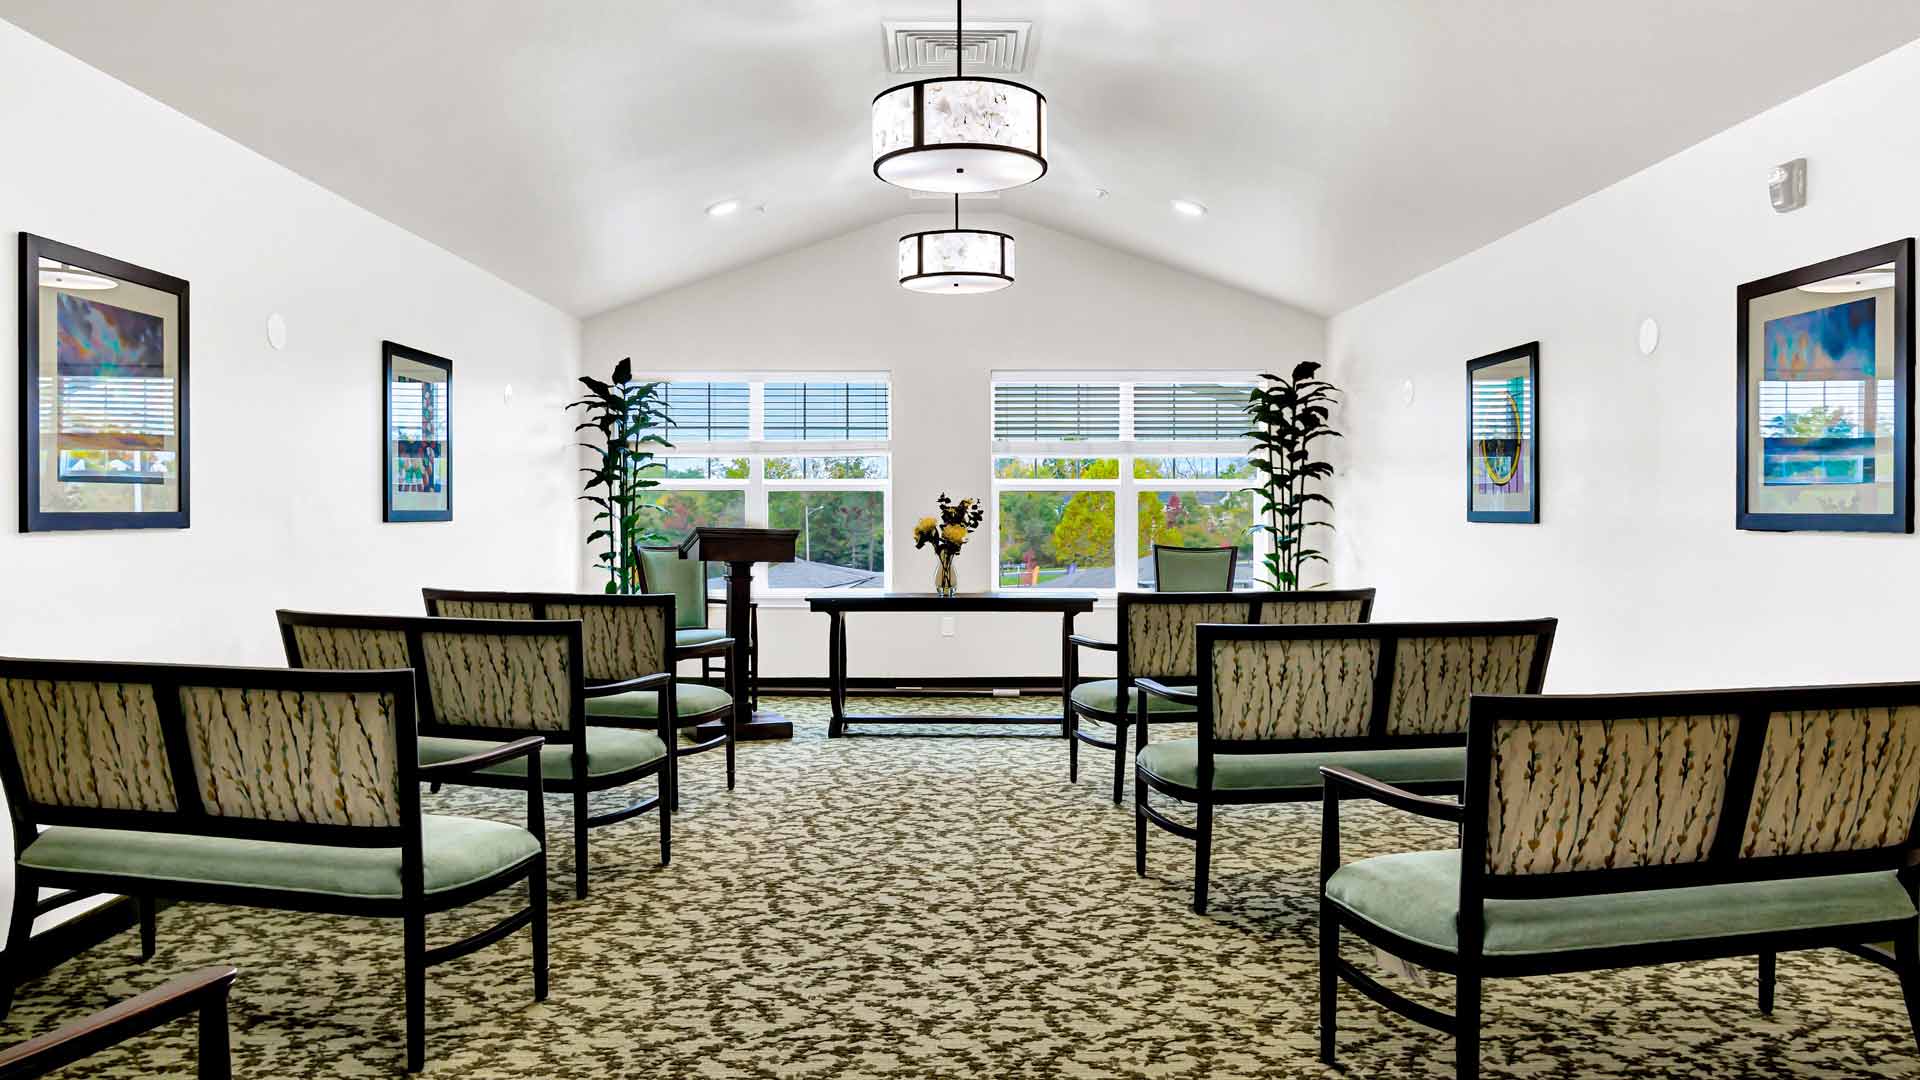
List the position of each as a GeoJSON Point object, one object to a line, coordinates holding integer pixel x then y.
{"type": "Point", "coordinates": [1625, 830]}
{"type": "Point", "coordinates": [1184, 569]}
{"type": "Point", "coordinates": [483, 682]}
{"type": "Point", "coordinates": [665, 570]}
{"type": "Point", "coordinates": [1156, 641]}
{"type": "Point", "coordinates": [204, 993]}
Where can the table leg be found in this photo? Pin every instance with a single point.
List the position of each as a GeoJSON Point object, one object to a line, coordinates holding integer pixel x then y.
{"type": "Point", "coordinates": [1066, 664]}
{"type": "Point", "coordinates": [836, 676]}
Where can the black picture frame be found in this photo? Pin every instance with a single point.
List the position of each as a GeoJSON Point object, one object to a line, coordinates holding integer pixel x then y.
{"type": "Point", "coordinates": [1899, 518]}
{"type": "Point", "coordinates": [391, 351]}
{"type": "Point", "coordinates": [33, 516]}
{"type": "Point", "coordinates": [1530, 435]}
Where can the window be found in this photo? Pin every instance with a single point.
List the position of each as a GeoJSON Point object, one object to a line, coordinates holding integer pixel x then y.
{"type": "Point", "coordinates": [782, 452]}
{"type": "Point", "coordinates": [1089, 475]}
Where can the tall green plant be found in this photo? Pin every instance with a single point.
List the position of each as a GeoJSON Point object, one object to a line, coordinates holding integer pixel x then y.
{"type": "Point", "coordinates": [1289, 416]}
{"type": "Point", "coordinates": [628, 417]}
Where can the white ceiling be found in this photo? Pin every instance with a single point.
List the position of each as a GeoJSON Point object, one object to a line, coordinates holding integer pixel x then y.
{"type": "Point", "coordinates": [1343, 146]}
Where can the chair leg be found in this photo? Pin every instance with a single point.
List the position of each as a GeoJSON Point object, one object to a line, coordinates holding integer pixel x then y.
{"type": "Point", "coordinates": [1906, 954]}
{"type": "Point", "coordinates": [433, 787]}
{"type": "Point", "coordinates": [1766, 983]}
{"type": "Point", "coordinates": [416, 988]}
{"type": "Point", "coordinates": [537, 901]}
{"type": "Point", "coordinates": [1202, 854]}
{"type": "Point", "coordinates": [214, 1060]}
{"type": "Point", "coordinates": [149, 929]}
{"type": "Point", "coordinates": [1139, 827]}
{"type": "Point", "coordinates": [666, 815]}
{"type": "Point", "coordinates": [1073, 748]}
{"type": "Point", "coordinates": [25, 893]}
{"type": "Point", "coordinates": [1466, 1018]}
{"type": "Point", "coordinates": [1119, 759]}
{"type": "Point", "coordinates": [733, 737]}
{"type": "Point", "coordinates": [673, 769]}
{"type": "Point", "coordinates": [1329, 979]}
{"type": "Point", "coordinates": [580, 843]}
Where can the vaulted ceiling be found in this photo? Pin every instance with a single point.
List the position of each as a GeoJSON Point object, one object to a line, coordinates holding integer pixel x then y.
{"type": "Point", "coordinates": [1342, 146]}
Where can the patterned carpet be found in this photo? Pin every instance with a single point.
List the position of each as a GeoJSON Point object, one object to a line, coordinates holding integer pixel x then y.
{"type": "Point", "coordinates": [937, 907]}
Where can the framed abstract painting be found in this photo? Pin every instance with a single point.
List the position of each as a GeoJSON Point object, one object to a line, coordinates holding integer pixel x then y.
{"type": "Point", "coordinates": [1503, 436]}
{"type": "Point", "coordinates": [103, 392]}
{"type": "Point", "coordinates": [416, 435]}
{"type": "Point", "coordinates": [1825, 387]}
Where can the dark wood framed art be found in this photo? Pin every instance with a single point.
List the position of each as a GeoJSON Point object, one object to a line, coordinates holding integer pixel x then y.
{"type": "Point", "coordinates": [1503, 436]}
{"type": "Point", "coordinates": [1825, 387]}
{"type": "Point", "coordinates": [416, 434]}
{"type": "Point", "coordinates": [103, 392]}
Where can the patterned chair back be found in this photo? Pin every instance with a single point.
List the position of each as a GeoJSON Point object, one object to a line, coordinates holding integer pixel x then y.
{"type": "Point", "coordinates": [319, 757]}
{"type": "Point", "coordinates": [1690, 788]}
{"type": "Point", "coordinates": [1157, 629]}
{"type": "Point", "coordinates": [477, 678]}
{"type": "Point", "coordinates": [626, 637]}
{"type": "Point", "coordinates": [1274, 689]}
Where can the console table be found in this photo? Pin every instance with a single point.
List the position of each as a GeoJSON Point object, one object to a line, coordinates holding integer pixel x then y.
{"type": "Point", "coordinates": [836, 606]}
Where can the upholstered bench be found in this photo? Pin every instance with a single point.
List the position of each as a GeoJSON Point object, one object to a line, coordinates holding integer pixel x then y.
{"type": "Point", "coordinates": [1626, 830]}
{"type": "Point", "coordinates": [1156, 642]}
{"type": "Point", "coordinates": [1274, 704]}
{"type": "Point", "coordinates": [267, 788]}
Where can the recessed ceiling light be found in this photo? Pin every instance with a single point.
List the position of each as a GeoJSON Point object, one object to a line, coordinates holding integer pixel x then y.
{"type": "Point", "coordinates": [1189, 208]}
{"type": "Point", "coordinates": [723, 208]}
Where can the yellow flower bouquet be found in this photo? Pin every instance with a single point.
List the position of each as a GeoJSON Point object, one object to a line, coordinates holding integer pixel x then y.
{"type": "Point", "coordinates": [947, 533]}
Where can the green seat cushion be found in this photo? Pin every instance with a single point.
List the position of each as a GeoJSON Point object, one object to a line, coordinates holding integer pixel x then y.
{"type": "Point", "coordinates": [1417, 895]}
{"type": "Point", "coordinates": [609, 750]}
{"type": "Point", "coordinates": [1178, 761]}
{"type": "Point", "coordinates": [692, 700]}
{"type": "Point", "coordinates": [457, 851]}
{"type": "Point", "coordinates": [686, 579]}
{"type": "Point", "coordinates": [1098, 696]}
{"type": "Point", "coordinates": [699, 635]}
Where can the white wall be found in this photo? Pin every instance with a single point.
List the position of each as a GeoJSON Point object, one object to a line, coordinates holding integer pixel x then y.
{"type": "Point", "coordinates": [286, 487]}
{"type": "Point", "coordinates": [1636, 552]}
{"type": "Point", "coordinates": [835, 306]}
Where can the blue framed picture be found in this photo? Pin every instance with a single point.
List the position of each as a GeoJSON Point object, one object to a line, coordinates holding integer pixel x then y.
{"type": "Point", "coordinates": [416, 434]}
{"type": "Point", "coordinates": [1503, 436]}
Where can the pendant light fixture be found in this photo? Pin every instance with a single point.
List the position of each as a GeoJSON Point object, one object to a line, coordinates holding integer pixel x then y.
{"type": "Point", "coordinates": [960, 134]}
{"type": "Point", "coordinates": [956, 261]}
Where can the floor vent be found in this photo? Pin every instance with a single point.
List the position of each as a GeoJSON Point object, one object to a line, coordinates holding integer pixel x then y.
{"type": "Point", "coordinates": [925, 47]}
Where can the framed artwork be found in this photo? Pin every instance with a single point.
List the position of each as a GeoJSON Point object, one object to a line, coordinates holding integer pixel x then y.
{"type": "Point", "coordinates": [1825, 374]}
{"type": "Point", "coordinates": [1503, 436]}
{"type": "Point", "coordinates": [103, 392]}
{"type": "Point", "coordinates": [416, 434]}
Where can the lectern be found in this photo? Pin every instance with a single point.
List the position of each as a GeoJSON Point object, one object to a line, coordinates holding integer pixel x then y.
{"type": "Point", "coordinates": [740, 549]}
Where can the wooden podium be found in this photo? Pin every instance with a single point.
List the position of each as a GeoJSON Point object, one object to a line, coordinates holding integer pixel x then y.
{"type": "Point", "coordinates": [740, 549]}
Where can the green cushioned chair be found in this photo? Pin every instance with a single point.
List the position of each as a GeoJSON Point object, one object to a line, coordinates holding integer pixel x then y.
{"type": "Point", "coordinates": [1185, 569]}
{"type": "Point", "coordinates": [1274, 703]}
{"type": "Point", "coordinates": [297, 790]}
{"type": "Point", "coordinates": [663, 570]}
{"type": "Point", "coordinates": [1625, 830]}
{"type": "Point", "coordinates": [502, 674]}
{"type": "Point", "coordinates": [1156, 642]}
{"type": "Point", "coordinates": [203, 993]}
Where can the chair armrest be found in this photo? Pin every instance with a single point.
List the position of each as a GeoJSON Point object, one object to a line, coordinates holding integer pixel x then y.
{"type": "Point", "coordinates": [1171, 693]}
{"type": "Point", "coordinates": [1345, 783]}
{"type": "Point", "coordinates": [624, 686]}
{"type": "Point", "coordinates": [1086, 642]}
{"type": "Point", "coordinates": [204, 991]}
{"type": "Point", "coordinates": [517, 748]}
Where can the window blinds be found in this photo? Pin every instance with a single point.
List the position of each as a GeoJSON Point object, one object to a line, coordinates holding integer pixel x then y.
{"type": "Point", "coordinates": [1056, 411]}
{"type": "Point", "coordinates": [816, 411]}
{"type": "Point", "coordinates": [1176, 411]}
{"type": "Point", "coordinates": [707, 411]}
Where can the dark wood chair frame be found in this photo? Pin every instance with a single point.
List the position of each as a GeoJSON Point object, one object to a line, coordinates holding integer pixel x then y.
{"type": "Point", "coordinates": [1470, 966]}
{"type": "Point", "coordinates": [1233, 563]}
{"type": "Point", "coordinates": [413, 905]}
{"type": "Point", "coordinates": [581, 785]}
{"type": "Point", "coordinates": [204, 992]}
{"type": "Point", "coordinates": [1125, 676]}
{"type": "Point", "coordinates": [727, 718]}
{"type": "Point", "coordinates": [1205, 798]}
{"type": "Point", "coordinates": [705, 652]}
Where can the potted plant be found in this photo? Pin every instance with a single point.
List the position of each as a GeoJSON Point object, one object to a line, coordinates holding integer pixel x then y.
{"type": "Point", "coordinates": [947, 535]}
{"type": "Point", "coordinates": [628, 418]}
{"type": "Point", "coordinates": [1289, 416]}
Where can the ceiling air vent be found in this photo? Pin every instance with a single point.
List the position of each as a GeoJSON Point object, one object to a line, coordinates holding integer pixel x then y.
{"type": "Point", "coordinates": [925, 47]}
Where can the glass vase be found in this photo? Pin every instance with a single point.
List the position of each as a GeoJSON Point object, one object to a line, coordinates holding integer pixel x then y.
{"type": "Point", "coordinates": [944, 582]}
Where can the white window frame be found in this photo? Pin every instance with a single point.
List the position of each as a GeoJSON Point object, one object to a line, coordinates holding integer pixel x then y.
{"type": "Point", "coordinates": [1126, 488]}
{"type": "Point", "coordinates": [757, 449]}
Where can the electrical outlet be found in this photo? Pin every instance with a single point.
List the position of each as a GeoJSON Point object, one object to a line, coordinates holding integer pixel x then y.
{"type": "Point", "coordinates": [946, 626]}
